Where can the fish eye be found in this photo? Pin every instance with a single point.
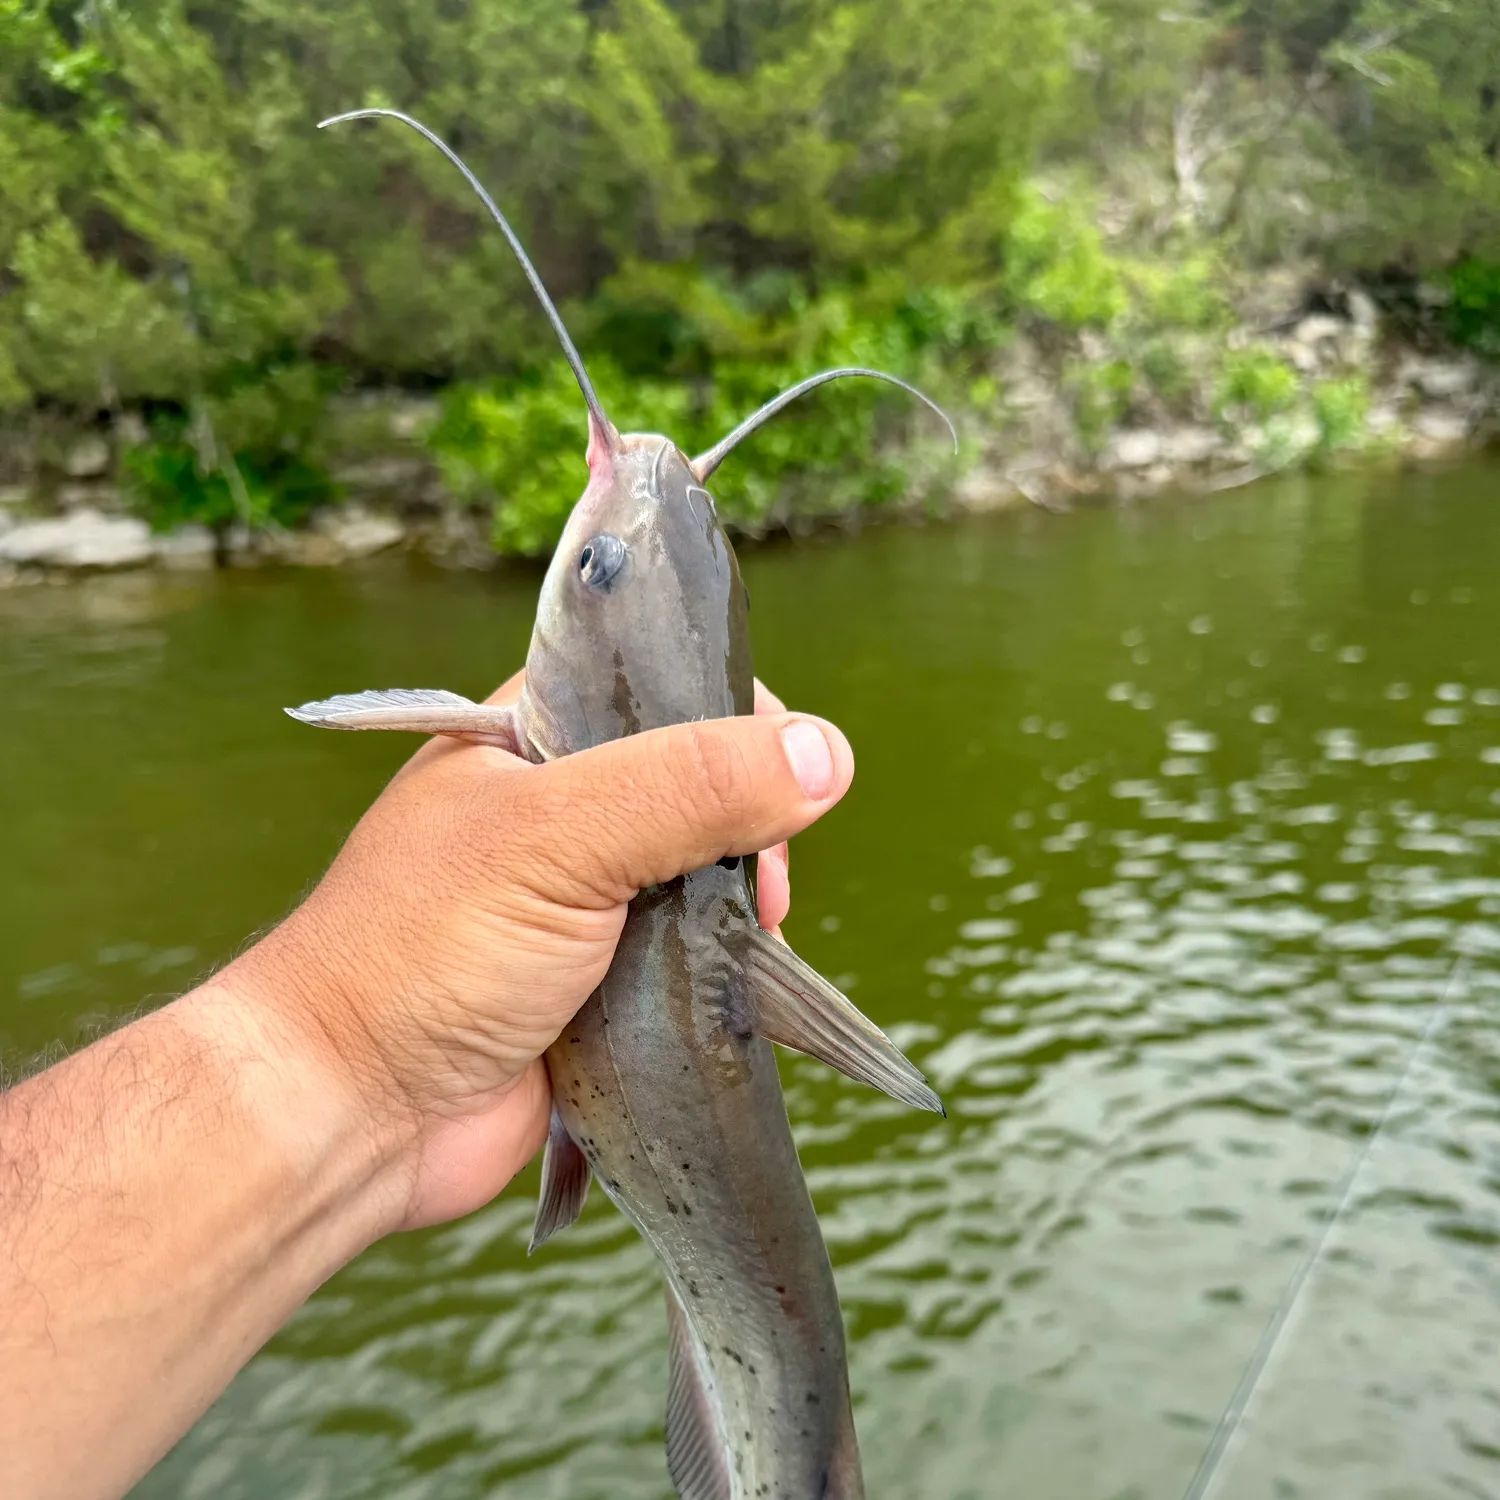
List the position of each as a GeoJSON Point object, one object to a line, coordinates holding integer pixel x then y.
{"type": "Point", "coordinates": [602, 557]}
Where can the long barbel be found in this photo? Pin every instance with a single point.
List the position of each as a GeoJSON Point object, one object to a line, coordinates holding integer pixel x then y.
{"type": "Point", "coordinates": [1233, 1422]}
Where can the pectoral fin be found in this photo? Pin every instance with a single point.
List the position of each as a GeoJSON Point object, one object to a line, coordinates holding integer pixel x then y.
{"type": "Point", "coordinates": [418, 710]}
{"type": "Point", "coordinates": [798, 1008]}
{"type": "Point", "coordinates": [565, 1184]}
{"type": "Point", "coordinates": [695, 1451]}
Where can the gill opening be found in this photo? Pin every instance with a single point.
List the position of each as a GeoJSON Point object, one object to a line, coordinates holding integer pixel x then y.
{"type": "Point", "coordinates": [601, 430]}
{"type": "Point", "coordinates": [706, 463]}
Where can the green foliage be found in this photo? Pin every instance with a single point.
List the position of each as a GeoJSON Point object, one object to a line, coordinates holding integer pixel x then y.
{"type": "Point", "coordinates": [1340, 408]}
{"type": "Point", "coordinates": [1424, 141]}
{"type": "Point", "coordinates": [1256, 381]}
{"type": "Point", "coordinates": [174, 480]}
{"type": "Point", "coordinates": [1101, 396]}
{"type": "Point", "coordinates": [1057, 266]}
{"type": "Point", "coordinates": [516, 447]}
{"type": "Point", "coordinates": [1182, 292]}
{"type": "Point", "coordinates": [1472, 314]}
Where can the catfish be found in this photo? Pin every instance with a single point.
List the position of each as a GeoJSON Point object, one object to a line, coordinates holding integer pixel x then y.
{"type": "Point", "coordinates": [665, 1086]}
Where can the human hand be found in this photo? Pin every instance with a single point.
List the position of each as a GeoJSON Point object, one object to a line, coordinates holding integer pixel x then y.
{"type": "Point", "coordinates": [477, 905]}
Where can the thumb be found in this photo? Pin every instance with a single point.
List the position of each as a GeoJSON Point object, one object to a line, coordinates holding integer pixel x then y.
{"type": "Point", "coordinates": [606, 822]}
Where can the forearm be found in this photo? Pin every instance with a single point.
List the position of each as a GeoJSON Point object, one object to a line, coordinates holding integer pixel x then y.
{"type": "Point", "coordinates": [168, 1197]}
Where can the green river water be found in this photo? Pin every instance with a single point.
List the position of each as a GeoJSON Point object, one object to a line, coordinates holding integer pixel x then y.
{"type": "Point", "coordinates": [1171, 827]}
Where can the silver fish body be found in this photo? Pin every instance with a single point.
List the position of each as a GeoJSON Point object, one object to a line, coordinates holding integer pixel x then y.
{"type": "Point", "coordinates": [677, 1106]}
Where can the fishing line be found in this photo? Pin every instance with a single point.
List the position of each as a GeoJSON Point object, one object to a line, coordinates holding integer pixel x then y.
{"type": "Point", "coordinates": [1234, 1414]}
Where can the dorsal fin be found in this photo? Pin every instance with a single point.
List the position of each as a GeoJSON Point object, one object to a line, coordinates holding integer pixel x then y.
{"type": "Point", "coordinates": [695, 1452]}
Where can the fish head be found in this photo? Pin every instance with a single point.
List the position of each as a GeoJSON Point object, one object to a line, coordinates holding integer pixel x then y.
{"type": "Point", "coordinates": [643, 617]}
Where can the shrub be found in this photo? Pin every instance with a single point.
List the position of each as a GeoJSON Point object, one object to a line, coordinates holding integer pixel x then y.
{"type": "Point", "coordinates": [1340, 408]}
{"type": "Point", "coordinates": [1257, 381]}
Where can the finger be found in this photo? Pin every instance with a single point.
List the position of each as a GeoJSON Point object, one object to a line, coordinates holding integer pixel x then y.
{"type": "Point", "coordinates": [766, 702]}
{"type": "Point", "coordinates": [773, 888]}
{"type": "Point", "coordinates": [604, 823]}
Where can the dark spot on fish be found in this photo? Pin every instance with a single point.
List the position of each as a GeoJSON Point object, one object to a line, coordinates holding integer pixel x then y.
{"type": "Point", "coordinates": [687, 1208]}
{"type": "Point", "coordinates": [671, 1207]}
{"type": "Point", "coordinates": [823, 1486]}
{"type": "Point", "coordinates": [733, 1355]}
{"type": "Point", "coordinates": [730, 862]}
{"type": "Point", "coordinates": [782, 1290]}
{"type": "Point", "coordinates": [687, 1166]}
{"type": "Point", "coordinates": [623, 700]}
{"type": "Point", "coordinates": [614, 1182]}
{"type": "Point", "coordinates": [693, 1289]}
{"type": "Point", "coordinates": [812, 1398]}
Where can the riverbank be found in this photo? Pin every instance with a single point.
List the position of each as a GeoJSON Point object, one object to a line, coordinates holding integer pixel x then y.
{"type": "Point", "coordinates": [1311, 381]}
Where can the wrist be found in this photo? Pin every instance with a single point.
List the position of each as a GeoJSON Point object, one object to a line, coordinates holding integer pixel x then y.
{"type": "Point", "coordinates": [346, 1153]}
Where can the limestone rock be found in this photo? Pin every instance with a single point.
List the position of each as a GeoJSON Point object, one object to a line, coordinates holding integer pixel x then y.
{"type": "Point", "coordinates": [1441, 379]}
{"type": "Point", "coordinates": [187, 547]}
{"type": "Point", "coordinates": [409, 419]}
{"type": "Point", "coordinates": [1363, 313]}
{"type": "Point", "coordinates": [88, 458]}
{"type": "Point", "coordinates": [359, 533]}
{"type": "Point", "coordinates": [395, 475]}
{"type": "Point", "coordinates": [1437, 424]}
{"type": "Point", "coordinates": [83, 539]}
{"type": "Point", "coordinates": [1190, 444]}
{"type": "Point", "coordinates": [1132, 448]}
{"type": "Point", "coordinates": [1319, 328]}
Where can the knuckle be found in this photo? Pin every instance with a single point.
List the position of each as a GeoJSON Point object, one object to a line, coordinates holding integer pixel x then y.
{"type": "Point", "coordinates": [715, 777]}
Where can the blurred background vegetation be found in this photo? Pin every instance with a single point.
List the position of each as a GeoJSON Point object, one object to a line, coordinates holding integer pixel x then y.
{"type": "Point", "coordinates": [722, 197]}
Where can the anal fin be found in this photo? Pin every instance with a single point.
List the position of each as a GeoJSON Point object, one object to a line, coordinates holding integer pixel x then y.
{"type": "Point", "coordinates": [417, 711]}
{"type": "Point", "coordinates": [695, 1452]}
{"type": "Point", "coordinates": [798, 1008]}
{"type": "Point", "coordinates": [565, 1184]}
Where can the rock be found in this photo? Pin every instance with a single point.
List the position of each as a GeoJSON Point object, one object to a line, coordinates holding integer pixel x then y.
{"type": "Point", "coordinates": [1304, 357]}
{"type": "Point", "coordinates": [1363, 313]}
{"type": "Point", "coordinates": [1131, 448]}
{"type": "Point", "coordinates": [84, 539]}
{"type": "Point", "coordinates": [1318, 328]}
{"type": "Point", "coordinates": [88, 458]}
{"type": "Point", "coordinates": [360, 533]}
{"type": "Point", "coordinates": [187, 547]}
{"type": "Point", "coordinates": [305, 549]}
{"type": "Point", "coordinates": [388, 474]}
{"type": "Point", "coordinates": [458, 539]}
{"type": "Point", "coordinates": [984, 488]}
{"type": "Point", "coordinates": [13, 496]}
{"type": "Point", "coordinates": [131, 429]}
{"type": "Point", "coordinates": [409, 419]}
{"type": "Point", "coordinates": [101, 497]}
{"type": "Point", "coordinates": [1187, 445]}
{"type": "Point", "coordinates": [1436, 424]}
{"type": "Point", "coordinates": [1442, 380]}
{"type": "Point", "coordinates": [1383, 418]}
